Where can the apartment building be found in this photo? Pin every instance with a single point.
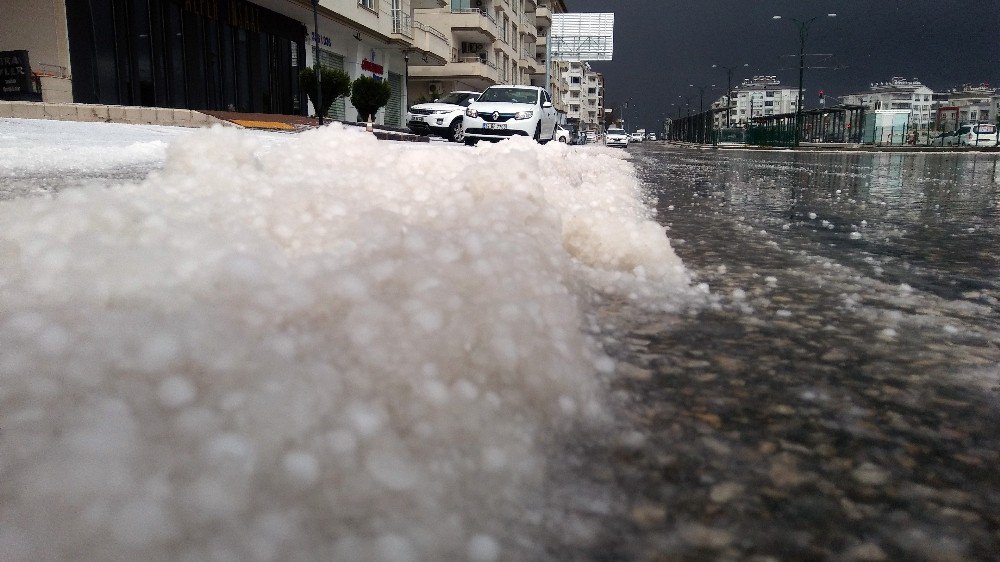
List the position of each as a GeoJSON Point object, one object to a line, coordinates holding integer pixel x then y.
{"type": "Point", "coordinates": [968, 104]}
{"type": "Point", "coordinates": [492, 42]}
{"type": "Point", "coordinates": [236, 55]}
{"type": "Point", "coordinates": [898, 93]}
{"type": "Point", "coordinates": [755, 97]}
{"type": "Point", "coordinates": [543, 22]}
{"type": "Point", "coordinates": [584, 96]}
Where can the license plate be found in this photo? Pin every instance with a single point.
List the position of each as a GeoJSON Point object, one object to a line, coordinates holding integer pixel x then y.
{"type": "Point", "coordinates": [417, 118]}
{"type": "Point", "coordinates": [494, 125]}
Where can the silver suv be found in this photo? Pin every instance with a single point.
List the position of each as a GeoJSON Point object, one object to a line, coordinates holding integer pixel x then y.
{"type": "Point", "coordinates": [442, 117]}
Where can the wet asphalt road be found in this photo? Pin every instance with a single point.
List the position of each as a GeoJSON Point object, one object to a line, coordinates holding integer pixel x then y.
{"type": "Point", "coordinates": [839, 400]}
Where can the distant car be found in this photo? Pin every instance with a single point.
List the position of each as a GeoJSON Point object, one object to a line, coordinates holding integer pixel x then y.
{"type": "Point", "coordinates": [442, 117]}
{"type": "Point", "coordinates": [947, 138]}
{"type": "Point", "coordinates": [635, 137]}
{"type": "Point", "coordinates": [651, 136]}
{"type": "Point", "coordinates": [591, 136]}
{"type": "Point", "coordinates": [980, 134]}
{"type": "Point", "coordinates": [616, 137]}
{"type": "Point", "coordinates": [502, 112]}
{"type": "Point", "coordinates": [562, 134]}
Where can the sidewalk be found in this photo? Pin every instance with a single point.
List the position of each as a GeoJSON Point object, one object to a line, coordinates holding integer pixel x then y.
{"type": "Point", "coordinates": [179, 118]}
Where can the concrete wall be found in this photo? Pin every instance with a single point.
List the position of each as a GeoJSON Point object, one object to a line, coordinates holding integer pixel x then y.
{"type": "Point", "coordinates": [39, 26]}
{"type": "Point", "coordinates": [108, 114]}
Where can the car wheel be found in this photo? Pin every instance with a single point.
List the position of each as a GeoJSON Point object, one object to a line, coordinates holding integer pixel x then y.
{"type": "Point", "coordinates": [538, 132]}
{"type": "Point", "coordinates": [456, 133]}
{"type": "Point", "coordinates": [470, 141]}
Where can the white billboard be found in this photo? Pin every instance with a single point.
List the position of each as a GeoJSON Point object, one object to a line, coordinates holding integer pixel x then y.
{"type": "Point", "coordinates": [582, 37]}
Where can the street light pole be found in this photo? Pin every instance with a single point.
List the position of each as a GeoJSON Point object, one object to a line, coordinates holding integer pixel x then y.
{"type": "Point", "coordinates": [803, 35]}
{"type": "Point", "coordinates": [319, 69]}
{"type": "Point", "coordinates": [701, 107]}
{"type": "Point", "coordinates": [729, 88]}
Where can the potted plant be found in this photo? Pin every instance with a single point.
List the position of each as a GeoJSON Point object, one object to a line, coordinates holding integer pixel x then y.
{"type": "Point", "coordinates": [336, 83]}
{"type": "Point", "coordinates": [368, 95]}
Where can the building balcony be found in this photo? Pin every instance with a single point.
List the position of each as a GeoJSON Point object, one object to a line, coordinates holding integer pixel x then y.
{"type": "Point", "coordinates": [543, 16]}
{"type": "Point", "coordinates": [472, 69]}
{"type": "Point", "coordinates": [428, 4]}
{"type": "Point", "coordinates": [432, 46]}
{"type": "Point", "coordinates": [530, 6]}
{"type": "Point", "coordinates": [475, 22]}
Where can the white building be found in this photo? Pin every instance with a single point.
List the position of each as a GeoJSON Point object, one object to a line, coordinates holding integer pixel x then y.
{"type": "Point", "coordinates": [898, 93]}
{"type": "Point", "coordinates": [755, 97]}
{"type": "Point", "coordinates": [970, 104]}
{"type": "Point", "coordinates": [584, 96]}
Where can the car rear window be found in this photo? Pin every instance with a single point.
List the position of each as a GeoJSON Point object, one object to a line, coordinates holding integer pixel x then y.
{"type": "Point", "coordinates": [616, 131]}
{"type": "Point", "coordinates": [985, 129]}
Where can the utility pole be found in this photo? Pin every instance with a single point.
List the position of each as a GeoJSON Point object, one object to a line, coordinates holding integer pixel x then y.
{"type": "Point", "coordinates": [729, 87]}
{"type": "Point", "coordinates": [803, 26]}
{"type": "Point", "coordinates": [319, 69]}
{"type": "Point", "coordinates": [701, 107]}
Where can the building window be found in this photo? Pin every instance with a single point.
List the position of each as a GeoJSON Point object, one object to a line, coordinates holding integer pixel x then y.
{"type": "Point", "coordinates": [768, 104]}
{"type": "Point", "coordinates": [574, 80]}
{"type": "Point", "coordinates": [769, 94]}
{"type": "Point", "coordinates": [367, 4]}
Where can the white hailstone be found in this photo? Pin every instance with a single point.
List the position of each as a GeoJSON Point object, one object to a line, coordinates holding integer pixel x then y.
{"type": "Point", "coordinates": [301, 468]}
{"type": "Point", "coordinates": [604, 365]}
{"type": "Point", "coordinates": [175, 391]}
{"type": "Point", "coordinates": [390, 470]}
{"type": "Point", "coordinates": [855, 235]}
{"type": "Point", "coordinates": [366, 419]}
{"type": "Point", "coordinates": [721, 269]}
{"type": "Point", "coordinates": [483, 548]}
{"type": "Point", "coordinates": [812, 216]}
{"type": "Point", "coordinates": [395, 548]}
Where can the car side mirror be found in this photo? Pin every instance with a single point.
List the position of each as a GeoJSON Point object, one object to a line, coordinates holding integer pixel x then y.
{"type": "Point", "coordinates": [546, 104]}
{"type": "Point", "coordinates": [435, 99]}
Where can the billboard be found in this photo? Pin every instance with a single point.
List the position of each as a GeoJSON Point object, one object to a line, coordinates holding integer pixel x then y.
{"type": "Point", "coordinates": [582, 37]}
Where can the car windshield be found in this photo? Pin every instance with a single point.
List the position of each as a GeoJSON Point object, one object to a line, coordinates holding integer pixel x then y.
{"type": "Point", "coordinates": [616, 131]}
{"type": "Point", "coordinates": [455, 98]}
{"type": "Point", "coordinates": [510, 95]}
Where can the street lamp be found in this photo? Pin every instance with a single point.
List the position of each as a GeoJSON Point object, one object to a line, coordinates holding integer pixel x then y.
{"type": "Point", "coordinates": [729, 87]}
{"type": "Point", "coordinates": [319, 69]}
{"type": "Point", "coordinates": [701, 107]}
{"type": "Point", "coordinates": [803, 34]}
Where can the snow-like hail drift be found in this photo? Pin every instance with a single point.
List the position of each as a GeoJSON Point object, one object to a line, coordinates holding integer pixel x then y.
{"type": "Point", "coordinates": [333, 347]}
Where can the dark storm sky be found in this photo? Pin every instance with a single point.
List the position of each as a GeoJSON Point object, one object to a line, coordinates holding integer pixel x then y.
{"type": "Point", "coordinates": [662, 46]}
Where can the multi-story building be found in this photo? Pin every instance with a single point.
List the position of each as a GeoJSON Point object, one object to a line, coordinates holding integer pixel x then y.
{"type": "Point", "coordinates": [898, 93]}
{"type": "Point", "coordinates": [237, 55]}
{"type": "Point", "coordinates": [968, 104]}
{"type": "Point", "coordinates": [755, 97]}
{"type": "Point", "coordinates": [543, 21]}
{"type": "Point", "coordinates": [584, 96]}
{"type": "Point", "coordinates": [492, 42]}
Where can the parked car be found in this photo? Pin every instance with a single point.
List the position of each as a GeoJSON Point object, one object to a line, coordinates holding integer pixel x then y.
{"type": "Point", "coordinates": [562, 134]}
{"type": "Point", "coordinates": [616, 137]}
{"type": "Point", "coordinates": [505, 111]}
{"type": "Point", "coordinates": [442, 117]}
{"type": "Point", "coordinates": [980, 134]}
{"type": "Point", "coordinates": [591, 136]}
{"type": "Point", "coordinates": [947, 138]}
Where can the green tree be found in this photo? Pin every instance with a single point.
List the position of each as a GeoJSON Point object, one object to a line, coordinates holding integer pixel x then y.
{"type": "Point", "coordinates": [336, 84]}
{"type": "Point", "coordinates": [368, 95]}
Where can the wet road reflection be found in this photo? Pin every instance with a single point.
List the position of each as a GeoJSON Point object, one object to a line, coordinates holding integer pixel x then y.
{"type": "Point", "coordinates": [839, 398]}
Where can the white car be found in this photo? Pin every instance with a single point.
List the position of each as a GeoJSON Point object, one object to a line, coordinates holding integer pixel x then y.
{"type": "Point", "coordinates": [616, 137]}
{"type": "Point", "coordinates": [635, 137]}
{"type": "Point", "coordinates": [562, 134]}
{"type": "Point", "coordinates": [651, 136]}
{"type": "Point", "coordinates": [442, 117]}
{"type": "Point", "coordinates": [981, 134]}
{"type": "Point", "coordinates": [502, 112]}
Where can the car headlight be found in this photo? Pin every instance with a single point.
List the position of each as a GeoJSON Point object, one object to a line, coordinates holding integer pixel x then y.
{"type": "Point", "coordinates": [523, 115]}
{"type": "Point", "coordinates": [471, 113]}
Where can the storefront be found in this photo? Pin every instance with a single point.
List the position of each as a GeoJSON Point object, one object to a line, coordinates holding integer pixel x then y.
{"type": "Point", "coordinates": [197, 54]}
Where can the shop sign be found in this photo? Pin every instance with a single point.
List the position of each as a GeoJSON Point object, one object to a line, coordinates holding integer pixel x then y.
{"type": "Point", "coordinates": [370, 66]}
{"type": "Point", "coordinates": [15, 77]}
